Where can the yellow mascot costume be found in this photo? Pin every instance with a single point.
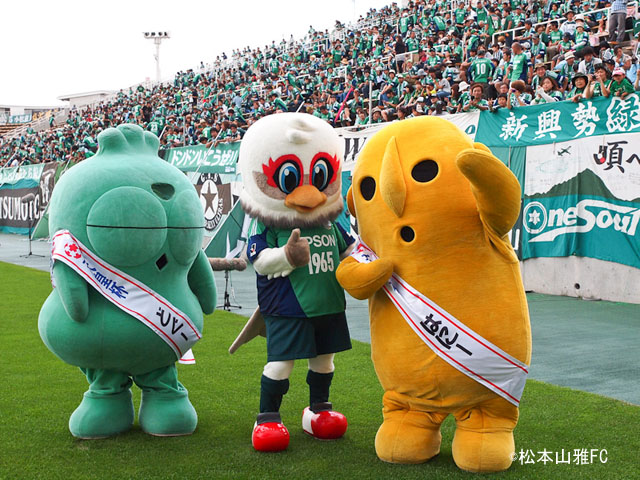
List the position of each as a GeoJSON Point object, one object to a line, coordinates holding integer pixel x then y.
{"type": "Point", "coordinates": [450, 329]}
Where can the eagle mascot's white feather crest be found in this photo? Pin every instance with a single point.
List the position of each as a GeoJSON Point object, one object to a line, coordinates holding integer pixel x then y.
{"type": "Point", "coordinates": [291, 166]}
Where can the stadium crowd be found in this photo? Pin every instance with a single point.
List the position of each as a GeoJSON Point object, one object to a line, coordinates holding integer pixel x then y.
{"type": "Point", "coordinates": [431, 58]}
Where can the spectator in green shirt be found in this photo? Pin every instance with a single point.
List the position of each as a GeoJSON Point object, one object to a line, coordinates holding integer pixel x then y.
{"type": "Point", "coordinates": [580, 85]}
{"type": "Point", "coordinates": [620, 86]}
{"type": "Point", "coordinates": [599, 87]}
{"type": "Point", "coordinates": [547, 92]}
{"type": "Point", "coordinates": [475, 101]}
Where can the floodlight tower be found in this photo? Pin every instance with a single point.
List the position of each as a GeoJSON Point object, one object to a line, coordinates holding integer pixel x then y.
{"type": "Point", "coordinates": [157, 38]}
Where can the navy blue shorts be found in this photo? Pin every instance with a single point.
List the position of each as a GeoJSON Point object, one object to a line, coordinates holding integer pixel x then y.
{"type": "Point", "coordinates": [290, 338]}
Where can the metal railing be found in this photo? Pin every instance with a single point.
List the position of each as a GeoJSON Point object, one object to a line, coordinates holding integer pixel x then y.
{"type": "Point", "coordinates": [512, 31]}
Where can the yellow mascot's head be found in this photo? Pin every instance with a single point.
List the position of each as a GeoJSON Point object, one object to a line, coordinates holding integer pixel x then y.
{"type": "Point", "coordinates": [406, 178]}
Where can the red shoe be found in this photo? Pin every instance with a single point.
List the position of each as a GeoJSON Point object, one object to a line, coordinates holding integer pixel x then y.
{"type": "Point", "coordinates": [321, 422]}
{"type": "Point", "coordinates": [269, 433]}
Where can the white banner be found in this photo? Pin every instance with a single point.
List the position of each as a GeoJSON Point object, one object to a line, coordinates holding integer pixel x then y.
{"type": "Point", "coordinates": [452, 340]}
{"type": "Point", "coordinates": [127, 293]}
{"type": "Point", "coordinates": [356, 137]}
{"type": "Point", "coordinates": [614, 159]}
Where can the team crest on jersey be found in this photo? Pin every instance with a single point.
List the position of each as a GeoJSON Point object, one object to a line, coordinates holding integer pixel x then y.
{"type": "Point", "coordinates": [211, 198]}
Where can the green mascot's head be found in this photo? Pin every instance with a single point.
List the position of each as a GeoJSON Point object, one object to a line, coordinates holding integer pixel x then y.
{"type": "Point", "coordinates": [128, 206]}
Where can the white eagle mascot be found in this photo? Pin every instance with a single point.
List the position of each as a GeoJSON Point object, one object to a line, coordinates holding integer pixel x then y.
{"type": "Point", "coordinates": [291, 170]}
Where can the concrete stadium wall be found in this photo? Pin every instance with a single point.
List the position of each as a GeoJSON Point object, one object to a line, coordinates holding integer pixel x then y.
{"type": "Point", "coordinates": [582, 277]}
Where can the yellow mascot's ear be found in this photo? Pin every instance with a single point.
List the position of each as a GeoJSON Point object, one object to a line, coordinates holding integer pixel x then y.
{"type": "Point", "coordinates": [350, 204]}
{"type": "Point", "coordinates": [392, 186]}
{"type": "Point", "coordinates": [481, 146]}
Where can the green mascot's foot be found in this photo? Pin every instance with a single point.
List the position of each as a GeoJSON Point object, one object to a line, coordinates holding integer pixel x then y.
{"type": "Point", "coordinates": [167, 414]}
{"type": "Point", "coordinates": [101, 416]}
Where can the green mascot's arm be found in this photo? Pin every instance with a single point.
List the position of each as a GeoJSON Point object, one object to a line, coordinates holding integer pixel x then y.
{"type": "Point", "coordinates": [497, 194]}
{"type": "Point", "coordinates": [73, 291]}
{"type": "Point", "coordinates": [362, 280]}
{"type": "Point", "coordinates": [201, 282]}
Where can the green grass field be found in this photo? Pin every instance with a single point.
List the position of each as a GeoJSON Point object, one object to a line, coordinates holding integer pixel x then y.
{"type": "Point", "coordinates": [40, 392]}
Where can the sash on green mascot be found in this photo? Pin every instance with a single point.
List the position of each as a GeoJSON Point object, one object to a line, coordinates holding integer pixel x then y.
{"type": "Point", "coordinates": [130, 295]}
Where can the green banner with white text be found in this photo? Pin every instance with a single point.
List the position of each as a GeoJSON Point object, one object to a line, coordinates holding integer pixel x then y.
{"type": "Point", "coordinates": [582, 198]}
{"type": "Point", "coordinates": [219, 159]}
{"type": "Point", "coordinates": [559, 121]}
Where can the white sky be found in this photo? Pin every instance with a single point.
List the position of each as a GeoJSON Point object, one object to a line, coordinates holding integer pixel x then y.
{"type": "Point", "coordinates": [54, 48]}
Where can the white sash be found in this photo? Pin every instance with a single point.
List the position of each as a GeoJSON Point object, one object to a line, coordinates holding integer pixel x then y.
{"type": "Point", "coordinates": [127, 293]}
{"type": "Point", "coordinates": [452, 340]}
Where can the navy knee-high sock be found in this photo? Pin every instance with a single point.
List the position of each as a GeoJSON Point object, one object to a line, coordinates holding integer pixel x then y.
{"type": "Point", "coordinates": [271, 393]}
{"type": "Point", "coordinates": [319, 384]}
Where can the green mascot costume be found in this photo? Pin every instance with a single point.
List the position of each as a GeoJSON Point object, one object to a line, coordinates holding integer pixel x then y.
{"type": "Point", "coordinates": [131, 283]}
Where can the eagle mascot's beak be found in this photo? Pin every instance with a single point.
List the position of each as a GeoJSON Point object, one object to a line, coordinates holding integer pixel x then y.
{"type": "Point", "coordinates": [305, 198]}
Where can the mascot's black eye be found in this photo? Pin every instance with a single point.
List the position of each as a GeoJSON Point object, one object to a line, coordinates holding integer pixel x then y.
{"type": "Point", "coordinates": [425, 171]}
{"type": "Point", "coordinates": [287, 177]}
{"type": "Point", "coordinates": [368, 187]}
{"type": "Point", "coordinates": [321, 174]}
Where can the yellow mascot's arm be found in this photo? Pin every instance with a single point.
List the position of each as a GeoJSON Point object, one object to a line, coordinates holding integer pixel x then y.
{"type": "Point", "coordinates": [362, 280]}
{"type": "Point", "coordinates": [495, 188]}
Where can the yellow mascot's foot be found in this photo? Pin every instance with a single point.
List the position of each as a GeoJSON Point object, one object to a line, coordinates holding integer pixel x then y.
{"type": "Point", "coordinates": [408, 437]}
{"type": "Point", "coordinates": [483, 452]}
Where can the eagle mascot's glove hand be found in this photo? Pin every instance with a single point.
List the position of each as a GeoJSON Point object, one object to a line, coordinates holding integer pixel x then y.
{"type": "Point", "coordinates": [297, 250]}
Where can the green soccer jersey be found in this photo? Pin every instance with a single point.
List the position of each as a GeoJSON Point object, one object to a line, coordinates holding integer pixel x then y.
{"type": "Point", "coordinates": [308, 291]}
{"type": "Point", "coordinates": [597, 90]}
{"type": "Point", "coordinates": [582, 38]}
{"type": "Point", "coordinates": [555, 36]}
{"type": "Point", "coordinates": [625, 86]}
{"type": "Point", "coordinates": [439, 22]}
{"type": "Point", "coordinates": [481, 70]}
{"type": "Point", "coordinates": [404, 24]}
{"type": "Point", "coordinates": [467, 106]}
{"type": "Point", "coordinates": [555, 96]}
{"type": "Point", "coordinates": [154, 127]}
{"type": "Point", "coordinates": [433, 61]}
{"type": "Point", "coordinates": [481, 14]}
{"type": "Point", "coordinates": [518, 66]}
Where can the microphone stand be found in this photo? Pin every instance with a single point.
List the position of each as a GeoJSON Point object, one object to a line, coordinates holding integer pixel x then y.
{"type": "Point", "coordinates": [228, 287]}
{"type": "Point", "coordinates": [31, 254]}
{"type": "Point", "coordinates": [227, 265]}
